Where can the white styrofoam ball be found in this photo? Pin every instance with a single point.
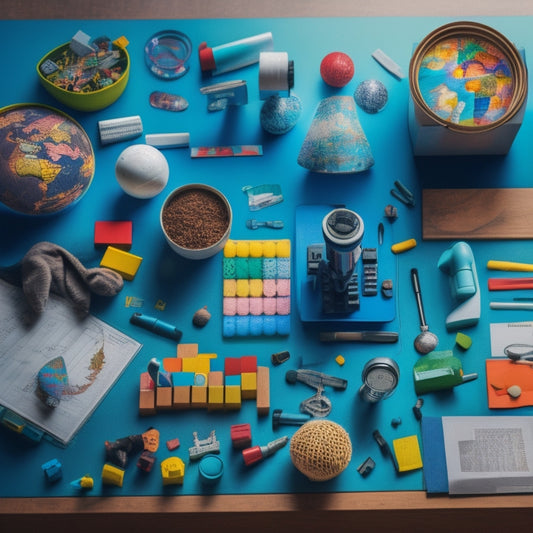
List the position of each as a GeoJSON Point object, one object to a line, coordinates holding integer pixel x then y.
{"type": "Point", "coordinates": [142, 171]}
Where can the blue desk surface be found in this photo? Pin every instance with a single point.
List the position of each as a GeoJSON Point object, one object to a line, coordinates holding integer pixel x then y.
{"type": "Point", "coordinates": [187, 286]}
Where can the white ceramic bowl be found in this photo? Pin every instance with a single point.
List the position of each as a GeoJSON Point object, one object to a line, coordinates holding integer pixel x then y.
{"type": "Point", "coordinates": [200, 222]}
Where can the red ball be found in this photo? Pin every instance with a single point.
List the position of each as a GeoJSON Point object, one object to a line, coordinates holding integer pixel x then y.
{"type": "Point", "coordinates": [337, 69]}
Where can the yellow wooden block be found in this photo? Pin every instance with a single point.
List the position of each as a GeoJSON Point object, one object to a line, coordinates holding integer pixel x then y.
{"type": "Point", "coordinates": [187, 350]}
{"type": "Point", "coordinates": [112, 475]}
{"type": "Point", "coordinates": [124, 263]}
{"type": "Point", "coordinates": [248, 385]}
{"type": "Point", "coordinates": [198, 365]}
{"type": "Point", "coordinates": [207, 355]}
{"type": "Point", "coordinates": [232, 398]}
{"type": "Point", "coordinates": [198, 397]}
{"type": "Point", "coordinates": [215, 397]}
{"type": "Point", "coordinates": [407, 451]}
{"type": "Point", "coordinates": [172, 471]}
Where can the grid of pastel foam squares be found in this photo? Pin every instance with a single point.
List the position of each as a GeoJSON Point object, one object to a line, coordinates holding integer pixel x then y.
{"type": "Point", "coordinates": [256, 288]}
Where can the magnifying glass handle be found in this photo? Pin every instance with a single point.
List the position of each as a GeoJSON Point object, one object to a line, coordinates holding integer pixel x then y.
{"type": "Point", "coordinates": [418, 295]}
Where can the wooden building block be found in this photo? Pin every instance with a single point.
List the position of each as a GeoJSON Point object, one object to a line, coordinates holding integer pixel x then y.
{"type": "Point", "coordinates": [263, 390]}
{"type": "Point", "coordinates": [215, 397]}
{"type": "Point", "coordinates": [248, 385]}
{"type": "Point", "coordinates": [181, 397]}
{"type": "Point", "coordinates": [172, 364]}
{"type": "Point", "coordinates": [215, 378]}
{"type": "Point", "coordinates": [163, 398]}
{"type": "Point", "coordinates": [249, 363]}
{"type": "Point", "coordinates": [232, 398]}
{"type": "Point", "coordinates": [232, 366]}
{"type": "Point", "coordinates": [198, 397]}
{"type": "Point", "coordinates": [125, 263]}
{"type": "Point", "coordinates": [117, 233]}
{"type": "Point", "coordinates": [187, 350]}
{"type": "Point", "coordinates": [241, 436]}
{"type": "Point", "coordinates": [146, 395]}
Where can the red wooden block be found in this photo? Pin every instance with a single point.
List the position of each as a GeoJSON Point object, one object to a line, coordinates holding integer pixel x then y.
{"type": "Point", "coordinates": [172, 444]}
{"type": "Point", "coordinates": [232, 366]}
{"type": "Point", "coordinates": [249, 363]}
{"type": "Point", "coordinates": [118, 233]}
{"type": "Point", "coordinates": [241, 436]}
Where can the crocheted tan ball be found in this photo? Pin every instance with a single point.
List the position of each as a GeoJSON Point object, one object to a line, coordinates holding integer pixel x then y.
{"type": "Point", "coordinates": [321, 449]}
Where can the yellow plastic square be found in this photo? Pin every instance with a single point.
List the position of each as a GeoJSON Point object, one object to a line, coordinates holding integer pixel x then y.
{"type": "Point", "coordinates": [249, 385]}
{"type": "Point", "coordinates": [407, 451]}
{"type": "Point", "coordinates": [124, 263]}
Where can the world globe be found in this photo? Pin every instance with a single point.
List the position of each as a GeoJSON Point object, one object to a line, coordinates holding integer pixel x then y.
{"type": "Point", "coordinates": [46, 159]}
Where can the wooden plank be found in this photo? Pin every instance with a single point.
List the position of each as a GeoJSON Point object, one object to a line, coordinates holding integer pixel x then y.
{"type": "Point", "coordinates": [477, 213]}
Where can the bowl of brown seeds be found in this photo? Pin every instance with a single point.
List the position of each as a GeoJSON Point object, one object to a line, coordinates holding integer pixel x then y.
{"type": "Point", "coordinates": [196, 220]}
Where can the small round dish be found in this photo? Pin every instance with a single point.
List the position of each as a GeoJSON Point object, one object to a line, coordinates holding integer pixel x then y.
{"type": "Point", "coordinates": [166, 54]}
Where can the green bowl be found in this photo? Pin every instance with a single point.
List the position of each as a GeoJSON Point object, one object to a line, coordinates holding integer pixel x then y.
{"type": "Point", "coordinates": [88, 99]}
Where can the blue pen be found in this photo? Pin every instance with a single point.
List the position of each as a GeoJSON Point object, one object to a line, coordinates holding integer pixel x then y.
{"type": "Point", "coordinates": [234, 55]}
{"type": "Point", "coordinates": [156, 326]}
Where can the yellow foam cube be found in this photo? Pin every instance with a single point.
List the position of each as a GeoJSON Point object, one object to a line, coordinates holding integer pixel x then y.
{"type": "Point", "coordinates": [230, 248]}
{"type": "Point", "coordinates": [407, 451]}
{"type": "Point", "coordinates": [229, 287]}
{"type": "Point", "coordinates": [232, 398]}
{"type": "Point", "coordinates": [283, 248]}
{"type": "Point", "coordinates": [256, 288]}
{"type": "Point", "coordinates": [256, 248]}
{"type": "Point", "coordinates": [269, 249]}
{"type": "Point", "coordinates": [249, 385]}
{"type": "Point", "coordinates": [243, 288]}
{"type": "Point", "coordinates": [243, 248]}
{"type": "Point", "coordinates": [124, 263]}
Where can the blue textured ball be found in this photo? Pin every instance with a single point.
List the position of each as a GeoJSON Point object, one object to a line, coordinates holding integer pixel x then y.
{"type": "Point", "coordinates": [371, 96]}
{"type": "Point", "coordinates": [280, 114]}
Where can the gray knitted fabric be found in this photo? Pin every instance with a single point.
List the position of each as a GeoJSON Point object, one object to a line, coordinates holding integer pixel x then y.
{"type": "Point", "coordinates": [47, 268]}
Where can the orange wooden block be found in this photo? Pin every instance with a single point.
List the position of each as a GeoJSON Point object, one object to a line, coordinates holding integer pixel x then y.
{"type": "Point", "coordinates": [181, 397]}
{"type": "Point", "coordinates": [263, 390]}
{"type": "Point", "coordinates": [187, 350]}
{"type": "Point", "coordinates": [163, 398]}
{"type": "Point", "coordinates": [172, 364]}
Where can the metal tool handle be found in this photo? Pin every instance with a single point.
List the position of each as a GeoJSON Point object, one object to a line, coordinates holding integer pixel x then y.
{"type": "Point", "coordinates": [418, 295]}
